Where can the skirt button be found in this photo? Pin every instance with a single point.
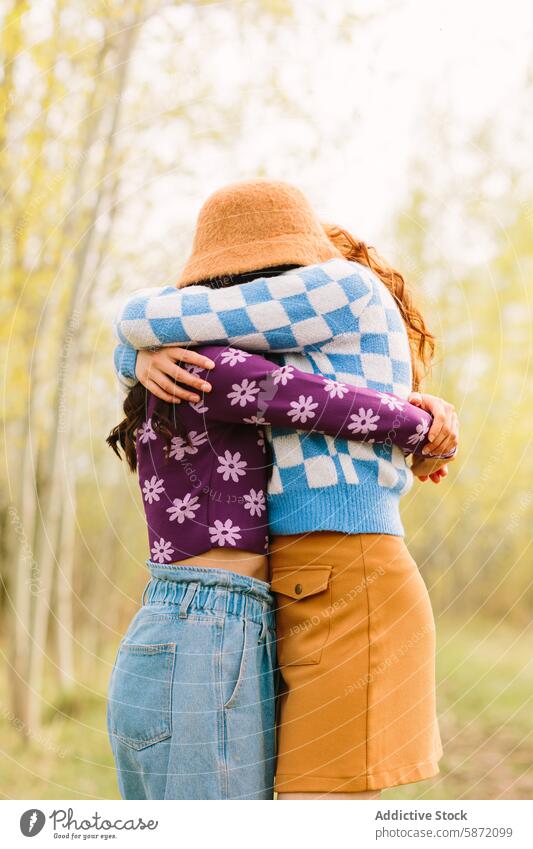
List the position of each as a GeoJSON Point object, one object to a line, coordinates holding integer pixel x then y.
{"type": "Point", "coordinates": [298, 589]}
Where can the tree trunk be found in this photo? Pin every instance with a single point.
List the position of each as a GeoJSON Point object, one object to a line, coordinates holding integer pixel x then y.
{"type": "Point", "coordinates": [64, 595]}
{"type": "Point", "coordinates": [57, 491]}
{"type": "Point", "coordinates": [24, 577]}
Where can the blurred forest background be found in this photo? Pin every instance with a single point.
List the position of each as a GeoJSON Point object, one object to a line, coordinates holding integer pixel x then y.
{"type": "Point", "coordinates": [408, 123]}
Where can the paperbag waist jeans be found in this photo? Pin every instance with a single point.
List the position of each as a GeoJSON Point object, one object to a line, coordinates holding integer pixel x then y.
{"type": "Point", "coordinates": [191, 707]}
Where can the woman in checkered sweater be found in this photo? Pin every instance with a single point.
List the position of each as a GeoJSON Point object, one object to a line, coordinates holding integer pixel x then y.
{"type": "Point", "coordinates": [354, 625]}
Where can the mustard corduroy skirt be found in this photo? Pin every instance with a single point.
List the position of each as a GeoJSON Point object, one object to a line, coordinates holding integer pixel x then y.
{"type": "Point", "coordinates": [356, 650]}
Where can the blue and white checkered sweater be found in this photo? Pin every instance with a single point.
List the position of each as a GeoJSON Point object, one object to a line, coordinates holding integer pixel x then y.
{"type": "Point", "coordinates": [336, 318]}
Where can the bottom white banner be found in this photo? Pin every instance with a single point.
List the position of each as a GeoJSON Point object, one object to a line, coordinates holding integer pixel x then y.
{"type": "Point", "coordinates": [171, 823]}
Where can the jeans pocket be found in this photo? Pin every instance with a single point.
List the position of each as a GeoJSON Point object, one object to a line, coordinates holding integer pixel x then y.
{"type": "Point", "coordinates": [140, 694]}
{"type": "Point", "coordinates": [236, 645]}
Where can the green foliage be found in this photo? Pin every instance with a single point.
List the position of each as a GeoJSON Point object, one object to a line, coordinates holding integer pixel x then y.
{"type": "Point", "coordinates": [471, 533]}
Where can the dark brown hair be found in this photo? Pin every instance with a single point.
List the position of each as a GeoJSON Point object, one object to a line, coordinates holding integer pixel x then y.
{"type": "Point", "coordinates": [123, 435]}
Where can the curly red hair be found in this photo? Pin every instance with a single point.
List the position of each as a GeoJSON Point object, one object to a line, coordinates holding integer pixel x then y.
{"type": "Point", "coordinates": [421, 340]}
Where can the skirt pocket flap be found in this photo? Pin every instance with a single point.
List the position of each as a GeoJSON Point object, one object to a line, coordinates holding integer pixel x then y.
{"type": "Point", "coordinates": [300, 582]}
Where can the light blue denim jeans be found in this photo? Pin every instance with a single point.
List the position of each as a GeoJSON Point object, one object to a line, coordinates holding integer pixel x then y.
{"type": "Point", "coordinates": [191, 708]}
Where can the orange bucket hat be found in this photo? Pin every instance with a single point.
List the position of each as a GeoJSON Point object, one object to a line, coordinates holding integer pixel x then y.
{"type": "Point", "coordinates": [255, 224]}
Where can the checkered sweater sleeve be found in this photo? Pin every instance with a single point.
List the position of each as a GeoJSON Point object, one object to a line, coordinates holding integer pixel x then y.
{"type": "Point", "coordinates": [249, 389]}
{"type": "Point", "coordinates": [292, 312]}
{"type": "Point", "coordinates": [125, 359]}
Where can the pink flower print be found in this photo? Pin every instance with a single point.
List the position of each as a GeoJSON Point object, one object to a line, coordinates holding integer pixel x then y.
{"type": "Point", "coordinates": [283, 374]}
{"type": "Point", "coordinates": [146, 432]}
{"type": "Point", "coordinates": [391, 402]}
{"type": "Point", "coordinates": [153, 488]}
{"type": "Point", "coordinates": [334, 388]}
{"type": "Point", "coordinates": [223, 533]}
{"type": "Point", "coordinates": [243, 393]}
{"type": "Point", "coordinates": [179, 446]}
{"type": "Point", "coordinates": [364, 422]}
{"type": "Point", "coordinates": [199, 406]}
{"type": "Point", "coordinates": [256, 420]}
{"type": "Point", "coordinates": [302, 409]}
{"type": "Point", "coordinates": [183, 508]}
{"type": "Point", "coordinates": [233, 356]}
{"type": "Point", "coordinates": [162, 551]}
{"type": "Point", "coordinates": [197, 439]}
{"type": "Point", "coordinates": [231, 466]}
{"type": "Point", "coordinates": [421, 430]}
{"type": "Point", "coordinates": [255, 502]}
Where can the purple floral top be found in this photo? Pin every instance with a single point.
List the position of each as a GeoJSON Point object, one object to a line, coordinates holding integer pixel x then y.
{"type": "Point", "coordinates": [209, 489]}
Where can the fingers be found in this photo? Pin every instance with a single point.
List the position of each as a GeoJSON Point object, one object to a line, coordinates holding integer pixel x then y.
{"type": "Point", "coordinates": [416, 399]}
{"type": "Point", "coordinates": [439, 417]}
{"type": "Point", "coordinates": [451, 442]}
{"type": "Point", "coordinates": [167, 364]}
{"type": "Point", "coordinates": [443, 440]}
{"type": "Point", "coordinates": [183, 376]}
{"type": "Point", "coordinates": [158, 371]}
{"type": "Point", "coordinates": [436, 477]}
{"type": "Point", "coordinates": [444, 432]}
{"type": "Point", "coordinates": [156, 390]}
{"type": "Point", "coordinates": [447, 439]}
{"type": "Point", "coordinates": [184, 355]}
{"type": "Point", "coordinates": [443, 426]}
{"type": "Point", "coordinates": [172, 389]}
